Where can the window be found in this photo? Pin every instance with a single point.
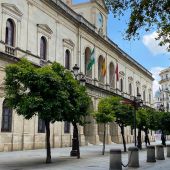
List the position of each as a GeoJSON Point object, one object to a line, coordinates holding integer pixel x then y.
{"type": "Point", "coordinates": [112, 75]}
{"type": "Point", "coordinates": [43, 48]}
{"type": "Point", "coordinates": [88, 63]}
{"type": "Point", "coordinates": [67, 60]}
{"type": "Point", "coordinates": [66, 127]}
{"type": "Point", "coordinates": [41, 125]}
{"type": "Point", "coordinates": [121, 84]}
{"type": "Point", "coordinates": [130, 89]}
{"type": "Point", "coordinates": [10, 29]}
{"type": "Point", "coordinates": [6, 118]}
{"type": "Point", "coordinates": [144, 96]}
{"type": "Point", "coordinates": [137, 90]}
{"type": "Point", "coordinates": [150, 98]}
{"type": "Point", "coordinates": [101, 69]}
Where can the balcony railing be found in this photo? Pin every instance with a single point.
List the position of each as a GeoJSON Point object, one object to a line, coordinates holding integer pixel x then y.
{"type": "Point", "coordinates": [9, 50]}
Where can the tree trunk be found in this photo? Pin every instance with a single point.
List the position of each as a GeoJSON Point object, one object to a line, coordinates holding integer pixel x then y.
{"type": "Point", "coordinates": [139, 139]}
{"type": "Point", "coordinates": [123, 137]}
{"type": "Point", "coordinates": [104, 137]}
{"type": "Point", "coordinates": [146, 137]}
{"type": "Point", "coordinates": [48, 147]}
{"type": "Point", "coordinates": [163, 138]}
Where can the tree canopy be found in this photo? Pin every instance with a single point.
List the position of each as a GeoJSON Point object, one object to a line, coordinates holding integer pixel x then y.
{"type": "Point", "coordinates": [50, 92]}
{"type": "Point", "coordinates": [148, 14]}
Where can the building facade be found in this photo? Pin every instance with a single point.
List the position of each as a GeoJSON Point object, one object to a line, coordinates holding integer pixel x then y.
{"type": "Point", "coordinates": [162, 96]}
{"type": "Point", "coordinates": [44, 31]}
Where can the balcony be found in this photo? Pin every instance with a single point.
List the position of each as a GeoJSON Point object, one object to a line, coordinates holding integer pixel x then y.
{"type": "Point", "coordinates": [164, 80]}
{"type": "Point", "coordinates": [9, 50]}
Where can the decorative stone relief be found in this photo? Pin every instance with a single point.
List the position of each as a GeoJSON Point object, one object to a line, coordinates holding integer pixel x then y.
{"type": "Point", "coordinates": [45, 30]}
{"type": "Point", "coordinates": [11, 10]}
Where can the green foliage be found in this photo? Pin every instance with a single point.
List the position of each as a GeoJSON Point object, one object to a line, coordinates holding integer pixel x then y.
{"type": "Point", "coordinates": [105, 113]}
{"type": "Point", "coordinates": [49, 91]}
{"type": "Point", "coordinates": [148, 14]}
{"type": "Point", "coordinates": [123, 112]}
{"type": "Point", "coordinates": [162, 121]}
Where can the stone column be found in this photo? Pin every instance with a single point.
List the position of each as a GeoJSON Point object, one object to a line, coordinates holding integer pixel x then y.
{"type": "Point", "coordinates": [81, 136]}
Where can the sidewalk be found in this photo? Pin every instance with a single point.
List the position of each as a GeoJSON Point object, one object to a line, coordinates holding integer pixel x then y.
{"type": "Point", "coordinates": [91, 159]}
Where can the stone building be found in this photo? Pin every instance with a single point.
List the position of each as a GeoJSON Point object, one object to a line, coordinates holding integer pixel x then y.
{"type": "Point", "coordinates": [44, 31]}
{"type": "Point", "coordinates": [162, 96]}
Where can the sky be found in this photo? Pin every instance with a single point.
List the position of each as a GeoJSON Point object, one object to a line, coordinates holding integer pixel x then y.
{"type": "Point", "coordinates": [144, 50]}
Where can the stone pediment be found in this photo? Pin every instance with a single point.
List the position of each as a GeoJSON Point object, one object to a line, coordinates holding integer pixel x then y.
{"type": "Point", "coordinates": [121, 73]}
{"type": "Point", "coordinates": [137, 82]}
{"type": "Point", "coordinates": [130, 78]}
{"type": "Point", "coordinates": [101, 3]}
{"type": "Point", "coordinates": [12, 8]}
{"type": "Point", "coordinates": [69, 42]}
{"type": "Point", "coordinates": [45, 28]}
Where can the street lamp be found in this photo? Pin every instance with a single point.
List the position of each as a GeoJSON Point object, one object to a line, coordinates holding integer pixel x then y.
{"type": "Point", "coordinates": [137, 102]}
{"type": "Point", "coordinates": [75, 141]}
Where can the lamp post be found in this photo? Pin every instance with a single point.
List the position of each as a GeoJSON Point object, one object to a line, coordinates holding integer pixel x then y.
{"type": "Point", "coordinates": [75, 141]}
{"type": "Point", "coordinates": [137, 102]}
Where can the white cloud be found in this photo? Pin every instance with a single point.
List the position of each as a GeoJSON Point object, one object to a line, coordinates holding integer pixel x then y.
{"type": "Point", "coordinates": [155, 73]}
{"type": "Point", "coordinates": [153, 45]}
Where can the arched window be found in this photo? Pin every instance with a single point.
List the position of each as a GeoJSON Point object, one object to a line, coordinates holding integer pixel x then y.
{"type": "Point", "coordinates": [150, 98]}
{"type": "Point", "coordinates": [67, 60]}
{"type": "Point", "coordinates": [10, 30]}
{"type": "Point", "coordinates": [101, 69]}
{"type": "Point", "coordinates": [130, 89]}
{"type": "Point", "coordinates": [6, 117]}
{"type": "Point", "coordinates": [66, 127]}
{"type": "Point", "coordinates": [43, 48]}
{"type": "Point", "coordinates": [41, 125]}
{"type": "Point", "coordinates": [112, 75]}
{"type": "Point", "coordinates": [144, 97]}
{"type": "Point", "coordinates": [137, 90]}
{"type": "Point", "coordinates": [88, 68]}
{"type": "Point", "coordinates": [121, 84]}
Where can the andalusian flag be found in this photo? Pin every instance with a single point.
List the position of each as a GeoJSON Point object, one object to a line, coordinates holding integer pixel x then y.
{"type": "Point", "coordinates": [104, 68]}
{"type": "Point", "coordinates": [91, 61]}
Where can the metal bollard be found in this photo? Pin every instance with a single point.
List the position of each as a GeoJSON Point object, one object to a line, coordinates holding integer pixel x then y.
{"type": "Point", "coordinates": [160, 152]}
{"type": "Point", "coordinates": [151, 154]}
{"type": "Point", "coordinates": [133, 157]}
{"type": "Point", "coordinates": [115, 159]}
{"type": "Point", "coordinates": [168, 150]}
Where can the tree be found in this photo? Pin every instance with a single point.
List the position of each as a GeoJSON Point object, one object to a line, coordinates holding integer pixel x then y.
{"type": "Point", "coordinates": [123, 114]}
{"type": "Point", "coordinates": [104, 115]}
{"type": "Point", "coordinates": [142, 124]}
{"type": "Point", "coordinates": [148, 14]}
{"type": "Point", "coordinates": [38, 91]}
{"type": "Point", "coordinates": [162, 121]}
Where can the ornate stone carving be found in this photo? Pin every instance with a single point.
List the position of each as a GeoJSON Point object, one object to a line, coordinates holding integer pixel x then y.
{"type": "Point", "coordinates": [45, 29]}
{"type": "Point", "coordinates": [11, 10]}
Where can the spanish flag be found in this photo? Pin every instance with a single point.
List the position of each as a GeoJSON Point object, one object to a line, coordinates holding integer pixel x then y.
{"type": "Point", "coordinates": [103, 68]}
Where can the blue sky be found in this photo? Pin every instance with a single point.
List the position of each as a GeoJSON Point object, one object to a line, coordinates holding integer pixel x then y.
{"type": "Point", "coordinates": [145, 50]}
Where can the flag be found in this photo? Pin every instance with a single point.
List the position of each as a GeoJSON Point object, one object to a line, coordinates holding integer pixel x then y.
{"type": "Point", "coordinates": [117, 72]}
{"type": "Point", "coordinates": [91, 61]}
{"type": "Point", "coordinates": [103, 68]}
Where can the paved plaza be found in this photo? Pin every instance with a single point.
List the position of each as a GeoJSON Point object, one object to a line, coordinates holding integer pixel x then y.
{"type": "Point", "coordinates": [91, 159]}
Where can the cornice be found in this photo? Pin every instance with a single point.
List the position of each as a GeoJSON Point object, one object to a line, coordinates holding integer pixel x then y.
{"type": "Point", "coordinates": [90, 28]}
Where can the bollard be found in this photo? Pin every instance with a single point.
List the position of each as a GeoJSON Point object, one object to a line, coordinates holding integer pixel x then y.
{"type": "Point", "coordinates": [168, 150]}
{"type": "Point", "coordinates": [160, 152]}
{"type": "Point", "coordinates": [115, 159]}
{"type": "Point", "coordinates": [133, 157]}
{"type": "Point", "coordinates": [151, 154]}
